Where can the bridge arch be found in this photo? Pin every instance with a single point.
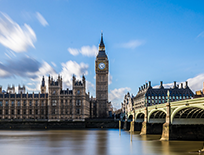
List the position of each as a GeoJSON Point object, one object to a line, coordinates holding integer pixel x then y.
{"type": "Point", "coordinates": [188, 115]}
{"type": "Point", "coordinates": [157, 116]}
{"type": "Point", "coordinates": [130, 118]}
{"type": "Point", "coordinates": [139, 117]}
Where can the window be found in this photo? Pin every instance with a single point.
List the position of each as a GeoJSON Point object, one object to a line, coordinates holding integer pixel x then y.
{"type": "Point", "coordinates": [36, 111]}
{"type": "Point", "coordinates": [155, 97]}
{"type": "Point", "coordinates": [78, 92]}
{"type": "Point", "coordinates": [55, 111]}
{"type": "Point", "coordinates": [12, 103]}
{"type": "Point", "coordinates": [180, 97]}
{"type": "Point", "coordinates": [7, 103]}
{"type": "Point", "coordinates": [173, 97]}
{"type": "Point", "coordinates": [152, 97]}
{"type": "Point", "coordinates": [61, 101]}
{"type": "Point", "coordinates": [159, 97]}
{"type": "Point", "coordinates": [30, 111]}
{"type": "Point", "coordinates": [177, 97]}
{"type": "Point", "coordinates": [162, 101]}
{"type": "Point", "coordinates": [169, 97]}
{"type": "Point", "coordinates": [183, 97]}
{"type": "Point", "coordinates": [24, 111]}
{"type": "Point", "coordinates": [162, 97]}
{"type": "Point", "coordinates": [42, 112]}
{"type": "Point", "coordinates": [30, 103]}
{"type": "Point", "coordinates": [36, 103]}
{"type": "Point", "coordinates": [148, 97]}
{"type": "Point", "coordinates": [12, 112]}
{"type": "Point", "coordinates": [78, 102]}
{"type": "Point", "coordinates": [6, 111]}
{"type": "Point", "coordinates": [1, 103]}
{"type": "Point", "coordinates": [54, 102]}
{"type": "Point", "coordinates": [159, 101]}
{"type": "Point", "coordinates": [187, 97]}
{"type": "Point", "coordinates": [42, 103]}
{"type": "Point", "coordinates": [18, 111]}
{"type": "Point", "coordinates": [0, 112]}
{"type": "Point", "coordinates": [78, 111]}
{"type": "Point", "coordinates": [24, 103]}
{"type": "Point", "coordinates": [19, 104]}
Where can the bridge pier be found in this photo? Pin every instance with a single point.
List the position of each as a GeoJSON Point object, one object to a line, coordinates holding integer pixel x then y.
{"type": "Point", "coordinates": [144, 124]}
{"type": "Point", "coordinates": [126, 125]}
{"type": "Point", "coordinates": [166, 131]}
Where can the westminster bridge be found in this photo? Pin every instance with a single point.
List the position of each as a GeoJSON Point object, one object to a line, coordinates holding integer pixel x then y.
{"type": "Point", "coordinates": [174, 120]}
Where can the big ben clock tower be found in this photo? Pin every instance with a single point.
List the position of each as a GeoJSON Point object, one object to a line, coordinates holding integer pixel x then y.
{"type": "Point", "coordinates": [101, 68]}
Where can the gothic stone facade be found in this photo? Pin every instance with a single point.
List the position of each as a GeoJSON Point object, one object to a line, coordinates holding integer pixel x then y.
{"type": "Point", "coordinates": [56, 105]}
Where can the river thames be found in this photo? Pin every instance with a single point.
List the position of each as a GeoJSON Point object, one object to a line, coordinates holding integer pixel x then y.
{"type": "Point", "coordinates": [91, 142]}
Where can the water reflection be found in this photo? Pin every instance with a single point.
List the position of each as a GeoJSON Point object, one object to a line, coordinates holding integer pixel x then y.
{"type": "Point", "coordinates": [91, 142]}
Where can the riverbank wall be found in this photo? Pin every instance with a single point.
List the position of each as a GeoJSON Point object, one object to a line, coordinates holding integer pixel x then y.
{"type": "Point", "coordinates": [58, 125]}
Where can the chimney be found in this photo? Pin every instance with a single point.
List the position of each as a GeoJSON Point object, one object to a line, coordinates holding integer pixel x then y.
{"type": "Point", "coordinates": [181, 85]}
{"type": "Point", "coordinates": [146, 85]}
{"type": "Point", "coordinates": [161, 85]}
{"type": "Point", "coordinates": [174, 85]}
{"type": "Point", "coordinates": [186, 84]}
{"type": "Point", "coordinates": [150, 84]}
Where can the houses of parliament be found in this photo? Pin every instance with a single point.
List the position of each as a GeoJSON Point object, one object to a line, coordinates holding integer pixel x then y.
{"type": "Point", "coordinates": [58, 104]}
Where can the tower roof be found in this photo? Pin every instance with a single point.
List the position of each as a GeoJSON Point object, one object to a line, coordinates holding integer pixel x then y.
{"type": "Point", "coordinates": [101, 52]}
{"type": "Point", "coordinates": [101, 45]}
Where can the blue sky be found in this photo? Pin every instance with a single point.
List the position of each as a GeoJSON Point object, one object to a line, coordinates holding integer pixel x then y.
{"type": "Point", "coordinates": [145, 41]}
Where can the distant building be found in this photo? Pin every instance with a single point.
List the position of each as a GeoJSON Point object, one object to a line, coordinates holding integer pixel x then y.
{"type": "Point", "coordinates": [152, 96]}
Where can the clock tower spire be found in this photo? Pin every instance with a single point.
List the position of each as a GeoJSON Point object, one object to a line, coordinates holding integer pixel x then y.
{"type": "Point", "coordinates": [101, 69]}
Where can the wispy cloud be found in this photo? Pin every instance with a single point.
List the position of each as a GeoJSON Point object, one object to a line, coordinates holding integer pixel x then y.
{"type": "Point", "coordinates": [116, 96]}
{"type": "Point", "coordinates": [132, 44]}
{"type": "Point", "coordinates": [201, 34]}
{"type": "Point", "coordinates": [85, 50]}
{"type": "Point", "coordinates": [53, 64]}
{"type": "Point", "coordinates": [15, 37]}
{"type": "Point", "coordinates": [41, 19]}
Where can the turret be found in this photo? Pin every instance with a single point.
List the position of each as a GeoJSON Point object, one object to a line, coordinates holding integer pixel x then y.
{"type": "Point", "coordinates": [43, 86]}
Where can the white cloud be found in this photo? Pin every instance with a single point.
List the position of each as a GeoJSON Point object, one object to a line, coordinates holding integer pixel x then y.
{"type": "Point", "coordinates": [45, 70]}
{"type": "Point", "coordinates": [85, 50]}
{"type": "Point", "coordinates": [195, 83]}
{"type": "Point", "coordinates": [201, 34]}
{"type": "Point", "coordinates": [4, 73]}
{"type": "Point", "coordinates": [116, 96]}
{"type": "Point", "coordinates": [15, 37]}
{"type": "Point", "coordinates": [71, 67]}
{"type": "Point", "coordinates": [90, 87]}
{"type": "Point", "coordinates": [53, 64]}
{"type": "Point", "coordinates": [132, 44]}
{"type": "Point", "coordinates": [41, 19]}
{"type": "Point", "coordinates": [73, 51]}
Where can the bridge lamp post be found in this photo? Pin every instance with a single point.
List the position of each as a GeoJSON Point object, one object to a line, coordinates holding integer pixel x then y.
{"type": "Point", "coordinates": [168, 93]}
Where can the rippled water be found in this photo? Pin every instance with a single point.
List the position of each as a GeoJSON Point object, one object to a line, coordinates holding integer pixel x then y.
{"type": "Point", "coordinates": [90, 142]}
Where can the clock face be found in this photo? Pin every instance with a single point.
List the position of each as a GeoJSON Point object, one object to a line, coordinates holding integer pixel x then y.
{"type": "Point", "coordinates": [101, 65]}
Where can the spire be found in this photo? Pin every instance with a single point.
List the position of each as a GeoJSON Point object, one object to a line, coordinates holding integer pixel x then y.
{"type": "Point", "coordinates": [43, 82]}
{"type": "Point", "coordinates": [101, 45]}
